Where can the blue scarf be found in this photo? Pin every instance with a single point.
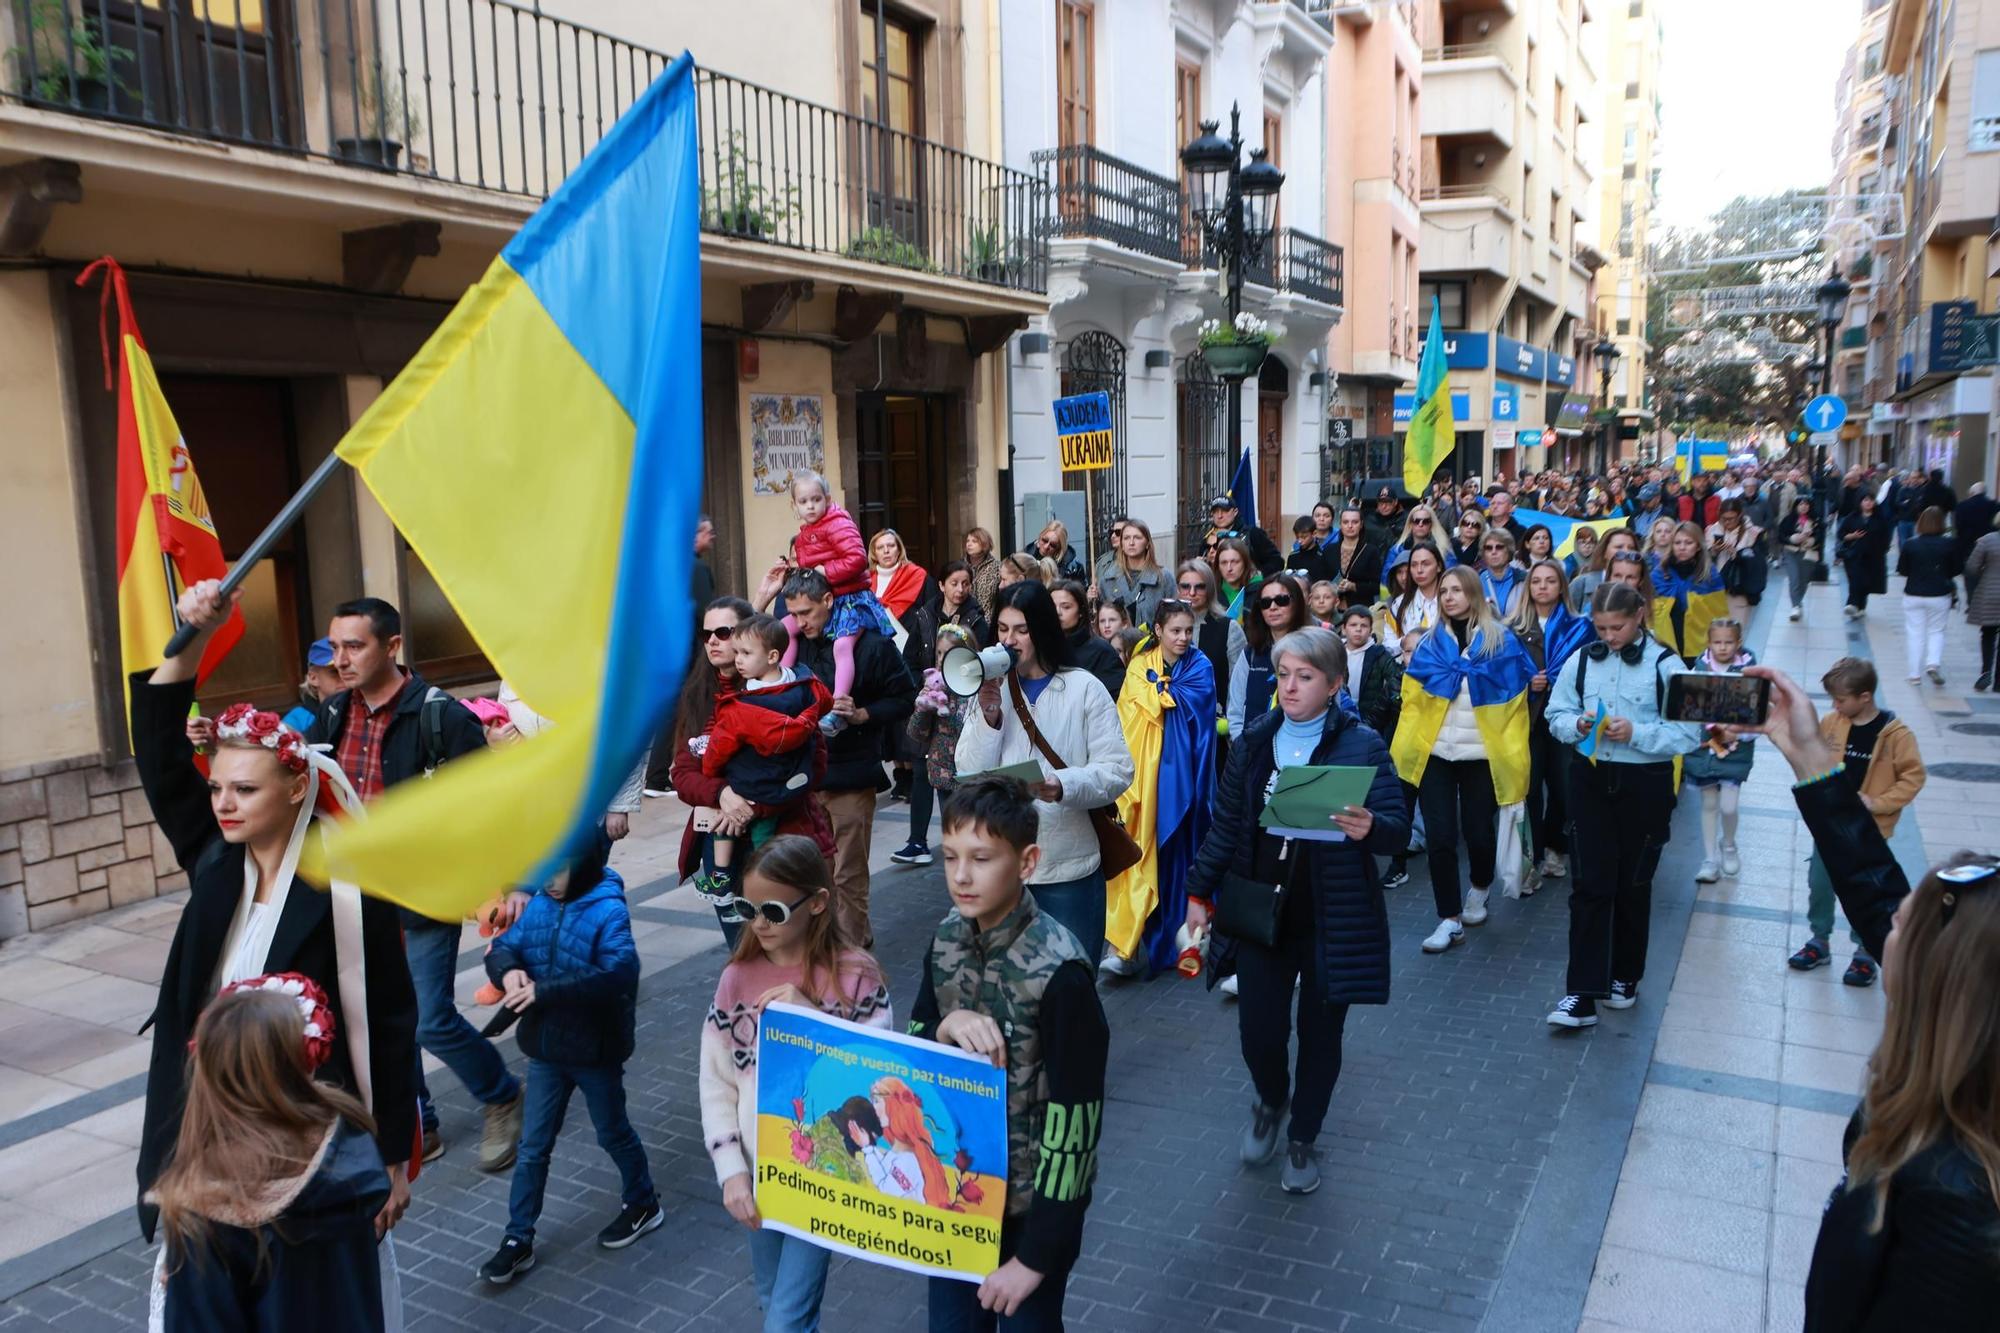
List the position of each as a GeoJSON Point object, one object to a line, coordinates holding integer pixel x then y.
{"type": "Point", "coordinates": [1562, 636]}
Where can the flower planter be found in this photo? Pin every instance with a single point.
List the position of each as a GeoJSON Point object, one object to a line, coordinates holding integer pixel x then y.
{"type": "Point", "coordinates": [385, 154]}
{"type": "Point", "coordinates": [1235, 361]}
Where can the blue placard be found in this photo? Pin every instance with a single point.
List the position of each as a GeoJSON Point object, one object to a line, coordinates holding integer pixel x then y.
{"type": "Point", "coordinates": [1826, 412]}
{"type": "Point", "coordinates": [1462, 351]}
{"type": "Point", "coordinates": [1461, 406]}
{"type": "Point", "coordinates": [1521, 360]}
{"type": "Point", "coordinates": [1562, 370]}
{"type": "Point", "coordinates": [1506, 402]}
{"type": "Point", "coordinates": [1528, 439]}
{"type": "Point", "coordinates": [1083, 431]}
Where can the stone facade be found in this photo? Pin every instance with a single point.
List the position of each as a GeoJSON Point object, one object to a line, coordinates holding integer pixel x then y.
{"type": "Point", "coordinates": [77, 838]}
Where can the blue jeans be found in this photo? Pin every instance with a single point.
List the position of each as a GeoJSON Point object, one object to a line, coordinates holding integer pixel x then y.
{"type": "Point", "coordinates": [791, 1278]}
{"type": "Point", "coordinates": [432, 948]}
{"type": "Point", "coordinates": [1079, 905]}
{"type": "Point", "coordinates": [549, 1086]}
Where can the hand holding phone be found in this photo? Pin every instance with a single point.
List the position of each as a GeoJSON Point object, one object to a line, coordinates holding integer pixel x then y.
{"type": "Point", "coordinates": [1735, 701]}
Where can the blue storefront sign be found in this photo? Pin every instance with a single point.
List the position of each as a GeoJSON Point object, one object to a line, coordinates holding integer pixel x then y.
{"type": "Point", "coordinates": [1562, 370]}
{"type": "Point", "coordinates": [1461, 406]}
{"type": "Point", "coordinates": [1462, 351]}
{"type": "Point", "coordinates": [1506, 402]}
{"type": "Point", "coordinates": [1519, 359]}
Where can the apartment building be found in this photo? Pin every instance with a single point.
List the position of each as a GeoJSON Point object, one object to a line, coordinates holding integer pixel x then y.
{"type": "Point", "coordinates": [1628, 178]}
{"type": "Point", "coordinates": [1933, 286]}
{"type": "Point", "coordinates": [301, 188]}
{"type": "Point", "coordinates": [1866, 96]}
{"type": "Point", "coordinates": [1100, 96]}
{"type": "Point", "coordinates": [1373, 178]}
{"type": "Point", "coordinates": [1508, 240]}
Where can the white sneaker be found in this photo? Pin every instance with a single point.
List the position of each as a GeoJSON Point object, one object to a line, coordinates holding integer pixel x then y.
{"type": "Point", "coordinates": [1554, 865]}
{"type": "Point", "coordinates": [1228, 986]}
{"type": "Point", "coordinates": [1797, 612]}
{"type": "Point", "coordinates": [1708, 873]}
{"type": "Point", "coordinates": [1475, 907]}
{"type": "Point", "coordinates": [1115, 966]}
{"type": "Point", "coordinates": [1732, 864]}
{"type": "Point", "coordinates": [1448, 933]}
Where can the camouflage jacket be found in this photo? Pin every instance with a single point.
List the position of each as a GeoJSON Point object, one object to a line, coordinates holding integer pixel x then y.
{"type": "Point", "coordinates": [1029, 975]}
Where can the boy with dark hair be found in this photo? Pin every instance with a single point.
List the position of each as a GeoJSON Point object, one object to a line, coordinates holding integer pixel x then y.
{"type": "Point", "coordinates": [1879, 761]}
{"type": "Point", "coordinates": [762, 737]}
{"type": "Point", "coordinates": [1006, 982]}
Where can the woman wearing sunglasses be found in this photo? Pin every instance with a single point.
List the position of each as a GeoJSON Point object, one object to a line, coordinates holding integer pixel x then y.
{"type": "Point", "coordinates": [1463, 548]}
{"type": "Point", "coordinates": [1216, 636]}
{"type": "Point", "coordinates": [711, 799]}
{"type": "Point", "coordinates": [1907, 1238]}
{"type": "Point", "coordinates": [1277, 607]}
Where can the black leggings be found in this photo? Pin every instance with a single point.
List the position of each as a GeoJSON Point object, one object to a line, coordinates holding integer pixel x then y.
{"type": "Point", "coordinates": [922, 798]}
{"type": "Point", "coordinates": [1548, 790]}
{"type": "Point", "coordinates": [1457, 798]}
{"type": "Point", "coordinates": [1264, 980]}
{"type": "Point", "coordinates": [1989, 647]}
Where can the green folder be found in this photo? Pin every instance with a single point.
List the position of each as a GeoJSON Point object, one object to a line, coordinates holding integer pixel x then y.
{"type": "Point", "coordinates": [1027, 770]}
{"type": "Point", "coordinates": [1307, 796]}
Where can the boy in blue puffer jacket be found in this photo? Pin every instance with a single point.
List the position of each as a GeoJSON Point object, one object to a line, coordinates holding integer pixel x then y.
{"type": "Point", "coordinates": [569, 968]}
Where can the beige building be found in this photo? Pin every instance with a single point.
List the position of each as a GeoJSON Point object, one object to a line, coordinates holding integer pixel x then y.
{"type": "Point", "coordinates": [1509, 236]}
{"type": "Point", "coordinates": [300, 190]}
{"type": "Point", "coordinates": [1628, 175]}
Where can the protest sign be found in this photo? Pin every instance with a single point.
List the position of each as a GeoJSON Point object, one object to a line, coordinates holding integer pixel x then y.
{"type": "Point", "coordinates": [880, 1146]}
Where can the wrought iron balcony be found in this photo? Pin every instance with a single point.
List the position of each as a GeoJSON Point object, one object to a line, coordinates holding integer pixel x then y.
{"type": "Point", "coordinates": [1312, 267]}
{"type": "Point", "coordinates": [496, 95]}
{"type": "Point", "coordinates": [1107, 198]}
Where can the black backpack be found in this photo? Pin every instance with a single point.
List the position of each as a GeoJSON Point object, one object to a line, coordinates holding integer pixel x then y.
{"type": "Point", "coordinates": [430, 723]}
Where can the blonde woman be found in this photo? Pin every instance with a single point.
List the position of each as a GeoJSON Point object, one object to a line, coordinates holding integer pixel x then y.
{"type": "Point", "coordinates": [1053, 545]}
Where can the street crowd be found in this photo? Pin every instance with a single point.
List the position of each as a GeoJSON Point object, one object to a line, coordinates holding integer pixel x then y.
{"type": "Point", "coordinates": [1501, 693]}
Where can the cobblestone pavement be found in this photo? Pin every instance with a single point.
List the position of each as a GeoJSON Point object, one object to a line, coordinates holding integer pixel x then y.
{"type": "Point", "coordinates": [1471, 1157]}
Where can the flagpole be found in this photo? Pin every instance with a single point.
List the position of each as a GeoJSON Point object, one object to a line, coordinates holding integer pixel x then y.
{"type": "Point", "coordinates": [254, 554]}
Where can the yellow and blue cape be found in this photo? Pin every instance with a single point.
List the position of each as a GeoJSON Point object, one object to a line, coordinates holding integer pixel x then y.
{"type": "Point", "coordinates": [1562, 636]}
{"type": "Point", "coordinates": [1683, 608]}
{"type": "Point", "coordinates": [542, 454]}
{"type": "Point", "coordinates": [1165, 712]}
{"type": "Point", "coordinates": [1498, 686]}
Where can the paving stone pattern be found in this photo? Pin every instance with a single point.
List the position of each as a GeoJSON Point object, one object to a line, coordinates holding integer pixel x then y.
{"type": "Point", "coordinates": [1446, 1112]}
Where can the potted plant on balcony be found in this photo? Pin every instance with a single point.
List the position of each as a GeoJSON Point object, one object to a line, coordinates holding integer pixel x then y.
{"type": "Point", "coordinates": [1234, 350]}
{"type": "Point", "coordinates": [381, 112]}
{"type": "Point", "coordinates": [741, 205]}
{"type": "Point", "coordinates": [989, 257]}
{"type": "Point", "coordinates": [64, 53]}
{"type": "Point", "coordinates": [881, 245]}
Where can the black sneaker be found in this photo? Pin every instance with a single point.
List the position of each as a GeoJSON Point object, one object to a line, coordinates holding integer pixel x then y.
{"type": "Point", "coordinates": [1574, 1011]}
{"type": "Point", "coordinates": [913, 853]}
{"type": "Point", "coordinates": [630, 1224]}
{"type": "Point", "coordinates": [1396, 878]}
{"type": "Point", "coordinates": [900, 791]}
{"type": "Point", "coordinates": [515, 1258]}
{"type": "Point", "coordinates": [1624, 994]}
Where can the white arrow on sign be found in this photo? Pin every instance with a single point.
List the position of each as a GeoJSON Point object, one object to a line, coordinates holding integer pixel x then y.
{"type": "Point", "coordinates": [1826, 415]}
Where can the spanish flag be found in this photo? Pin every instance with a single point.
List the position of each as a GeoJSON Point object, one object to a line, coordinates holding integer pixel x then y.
{"type": "Point", "coordinates": [1498, 686]}
{"type": "Point", "coordinates": [542, 455]}
{"type": "Point", "coordinates": [1683, 605]}
{"type": "Point", "coordinates": [166, 538]}
{"type": "Point", "coordinates": [1432, 435]}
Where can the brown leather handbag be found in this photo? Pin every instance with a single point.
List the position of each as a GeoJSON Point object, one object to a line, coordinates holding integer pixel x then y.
{"type": "Point", "coordinates": [1116, 851]}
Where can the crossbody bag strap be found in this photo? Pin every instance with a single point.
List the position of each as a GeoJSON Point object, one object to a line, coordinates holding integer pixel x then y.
{"type": "Point", "coordinates": [1035, 737]}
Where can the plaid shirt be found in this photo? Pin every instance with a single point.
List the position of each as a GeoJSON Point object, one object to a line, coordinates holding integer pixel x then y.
{"type": "Point", "coordinates": [362, 732]}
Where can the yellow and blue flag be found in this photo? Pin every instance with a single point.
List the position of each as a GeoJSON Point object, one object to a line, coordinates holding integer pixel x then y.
{"type": "Point", "coordinates": [542, 454]}
{"type": "Point", "coordinates": [1498, 689]}
{"type": "Point", "coordinates": [1562, 531]}
{"type": "Point", "coordinates": [1684, 606]}
{"type": "Point", "coordinates": [1432, 436]}
{"type": "Point", "coordinates": [1562, 636]}
{"type": "Point", "coordinates": [1594, 738]}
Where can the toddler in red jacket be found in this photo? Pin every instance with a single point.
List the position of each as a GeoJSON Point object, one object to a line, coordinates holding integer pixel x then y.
{"type": "Point", "coordinates": [762, 741]}
{"type": "Point", "coordinates": [829, 542]}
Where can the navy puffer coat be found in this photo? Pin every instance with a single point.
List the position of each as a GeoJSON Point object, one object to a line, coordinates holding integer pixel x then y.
{"type": "Point", "coordinates": [1352, 961]}
{"type": "Point", "coordinates": [579, 952]}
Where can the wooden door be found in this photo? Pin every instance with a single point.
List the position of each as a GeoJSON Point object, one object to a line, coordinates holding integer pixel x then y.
{"type": "Point", "coordinates": [722, 466]}
{"type": "Point", "coordinates": [214, 67]}
{"type": "Point", "coordinates": [1270, 465]}
{"type": "Point", "coordinates": [900, 444]}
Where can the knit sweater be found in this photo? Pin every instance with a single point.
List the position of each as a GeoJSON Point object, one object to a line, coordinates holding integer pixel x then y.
{"type": "Point", "coordinates": [729, 1045]}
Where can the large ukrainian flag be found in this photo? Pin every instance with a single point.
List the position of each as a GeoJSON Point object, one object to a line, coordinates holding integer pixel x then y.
{"type": "Point", "coordinates": [542, 454]}
{"type": "Point", "coordinates": [1432, 435]}
{"type": "Point", "coordinates": [1498, 689]}
{"type": "Point", "coordinates": [1683, 608]}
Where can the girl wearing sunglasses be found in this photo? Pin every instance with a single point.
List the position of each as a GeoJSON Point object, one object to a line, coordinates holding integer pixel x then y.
{"type": "Point", "coordinates": [1275, 608]}
{"type": "Point", "coordinates": [793, 951]}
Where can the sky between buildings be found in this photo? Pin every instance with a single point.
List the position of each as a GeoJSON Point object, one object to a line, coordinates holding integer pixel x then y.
{"type": "Point", "coordinates": [1747, 99]}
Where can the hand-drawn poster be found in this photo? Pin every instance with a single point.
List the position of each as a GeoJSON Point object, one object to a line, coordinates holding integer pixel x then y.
{"type": "Point", "coordinates": [787, 435]}
{"type": "Point", "coordinates": [880, 1146]}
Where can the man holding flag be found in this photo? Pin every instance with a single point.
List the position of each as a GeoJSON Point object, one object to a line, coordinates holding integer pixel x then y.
{"type": "Point", "coordinates": [1432, 435]}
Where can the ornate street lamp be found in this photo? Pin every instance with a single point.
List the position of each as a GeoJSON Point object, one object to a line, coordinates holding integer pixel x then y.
{"type": "Point", "coordinates": [1235, 206]}
{"type": "Point", "coordinates": [1832, 294]}
{"type": "Point", "coordinates": [1606, 352]}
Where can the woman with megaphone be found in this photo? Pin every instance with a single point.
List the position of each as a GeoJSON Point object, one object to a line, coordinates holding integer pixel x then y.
{"type": "Point", "coordinates": [1041, 708]}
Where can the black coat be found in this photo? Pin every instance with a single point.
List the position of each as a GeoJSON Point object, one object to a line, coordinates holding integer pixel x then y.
{"type": "Point", "coordinates": [1929, 564]}
{"type": "Point", "coordinates": [403, 754]}
{"type": "Point", "coordinates": [302, 943]}
{"type": "Point", "coordinates": [1379, 692]}
{"type": "Point", "coordinates": [314, 1266]}
{"type": "Point", "coordinates": [884, 686]}
{"type": "Point", "coordinates": [1866, 557]}
{"type": "Point", "coordinates": [1971, 520]}
{"type": "Point", "coordinates": [1309, 563]}
{"type": "Point", "coordinates": [1363, 570]}
{"type": "Point", "coordinates": [1351, 965]}
{"type": "Point", "coordinates": [1099, 658]}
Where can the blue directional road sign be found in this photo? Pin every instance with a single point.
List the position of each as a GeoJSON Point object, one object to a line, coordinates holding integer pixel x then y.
{"type": "Point", "coordinates": [1826, 412]}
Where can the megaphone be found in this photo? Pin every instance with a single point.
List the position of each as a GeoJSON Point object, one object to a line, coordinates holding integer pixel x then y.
{"type": "Point", "coordinates": [965, 671]}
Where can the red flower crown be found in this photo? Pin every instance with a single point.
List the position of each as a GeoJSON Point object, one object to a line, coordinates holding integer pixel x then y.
{"type": "Point", "coordinates": [250, 725]}
{"type": "Point", "coordinates": [304, 992]}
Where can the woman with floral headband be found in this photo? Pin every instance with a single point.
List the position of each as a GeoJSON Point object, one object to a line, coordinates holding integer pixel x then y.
{"type": "Point", "coordinates": [238, 834]}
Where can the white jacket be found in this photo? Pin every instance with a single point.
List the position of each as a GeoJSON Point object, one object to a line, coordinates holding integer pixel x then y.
{"type": "Point", "coordinates": [1458, 736]}
{"type": "Point", "coordinates": [1077, 718]}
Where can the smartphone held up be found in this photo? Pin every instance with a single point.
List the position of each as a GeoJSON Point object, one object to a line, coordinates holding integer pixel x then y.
{"type": "Point", "coordinates": [1733, 701]}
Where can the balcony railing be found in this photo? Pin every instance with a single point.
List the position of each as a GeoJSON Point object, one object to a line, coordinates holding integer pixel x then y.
{"type": "Point", "coordinates": [496, 95]}
{"type": "Point", "coordinates": [1470, 51]}
{"type": "Point", "coordinates": [1097, 195]}
{"type": "Point", "coordinates": [1312, 267]}
{"type": "Point", "coordinates": [1449, 193]}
